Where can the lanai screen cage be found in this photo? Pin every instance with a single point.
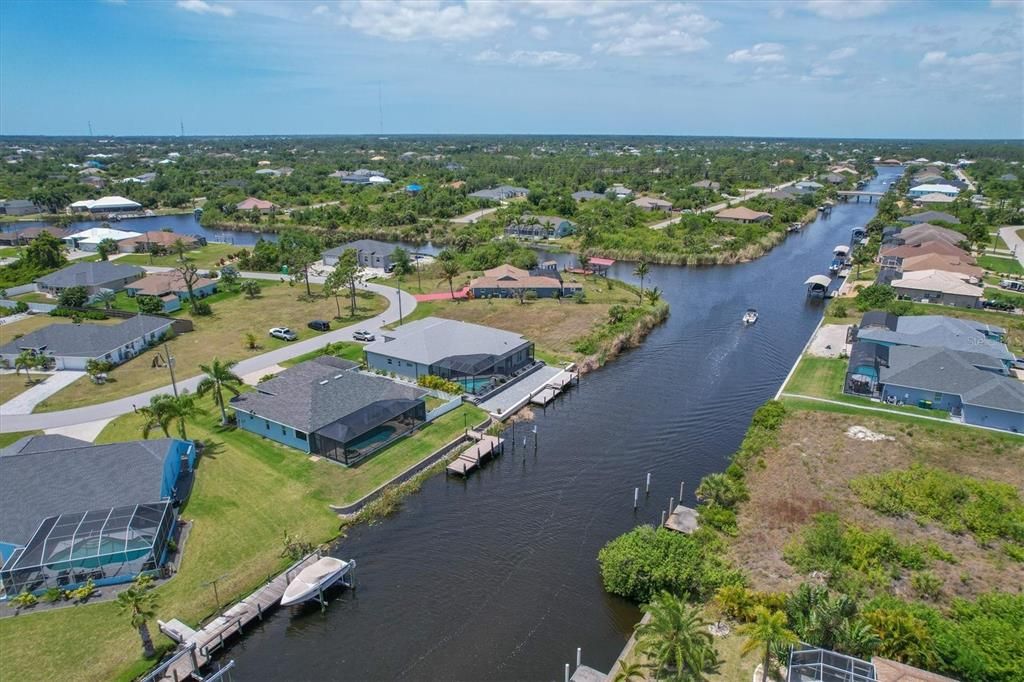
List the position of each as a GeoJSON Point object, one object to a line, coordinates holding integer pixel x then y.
{"type": "Point", "coordinates": [106, 546]}
{"type": "Point", "coordinates": [356, 435]}
{"type": "Point", "coordinates": [811, 664]}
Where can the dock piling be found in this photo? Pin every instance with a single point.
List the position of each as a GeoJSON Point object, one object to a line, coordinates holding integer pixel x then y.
{"type": "Point", "coordinates": [681, 492]}
{"type": "Point", "coordinates": [662, 517]}
{"type": "Point", "coordinates": [579, 655]}
{"type": "Point", "coordinates": [647, 490]}
{"type": "Point", "coordinates": [671, 504]}
{"type": "Point", "coordinates": [566, 672]}
{"type": "Point", "coordinates": [636, 498]}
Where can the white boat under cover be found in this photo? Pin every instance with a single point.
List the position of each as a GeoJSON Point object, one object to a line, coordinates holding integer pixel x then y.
{"type": "Point", "coordinates": [314, 578]}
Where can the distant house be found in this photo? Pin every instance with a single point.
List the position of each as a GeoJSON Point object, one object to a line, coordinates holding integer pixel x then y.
{"type": "Point", "coordinates": [71, 346]}
{"type": "Point", "coordinates": [72, 511]}
{"type": "Point", "coordinates": [834, 179]}
{"type": "Point", "coordinates": [94, 276]}
{"type": "Point", "coordinates": [809, 184]}
{"type": "Point", "coordinates": [893, 256]}
{"type": "Point", "coordinates": [254, 204]}
{"type": "Point", "coordinates": [935, 261]}
{"type": "Point", "coordinates": [21, 237]}
{"type": "Point", "coordinates": [925, 232]}
{"type": "Point", "coordinates": [19, 207]}
{"type": "Point", "coordinates": [707, 184]}
{"type": "Point", "coordinates": [159, 240]}
{"type": "Point", "coordinates": [507, 281]}
{"type": "Point", "coordinates": [933, 188]}
{"type": "Point", "coordinates": [937, 331]}
{"type": "Point", "coordinates": [170, 288]}
{"type": "Point", "coordinates": [89, 240]}
{"type": "Point", "coordinates": [114, 204]}
{"type": "Point", "coordinates": [619, 191]}
{"type": "Point", "coordinates": [468, 353]}
{"type": "Point", "coordinates": [360, 176]}
{"type": "Point", "coordinates": [370, 253]}
{"type": "Point", "coordinates": [652, 204]}
{"type": "Point", "coordinates": [328, 408]}
{"type": "Point", "coordinates": [587, 195]}
{"type": "Point", "coordinates": [930, 217]}
{"type": "Point", "coordinates": [500, 193]}
{"type": "Point", "coordinates": [282, 172]}
{"type": "Point", "coordinates": [540, 227]}
{"type": "Point", "coordinates": [1008, 177]}
{"type": "Point", "coordinates": [142, 179]}
{"type": "Point", "coordinates": [938, 286]}
{"type": "Point", "coordinates": [934, 199]}
{"type": "Point", "coordinates": [742, 214]}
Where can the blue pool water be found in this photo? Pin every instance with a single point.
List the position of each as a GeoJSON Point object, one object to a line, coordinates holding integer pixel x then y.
{"type": "Point", "coordinates": [471, 385]}
{"type": "Point", "coordinates": [373, 437]}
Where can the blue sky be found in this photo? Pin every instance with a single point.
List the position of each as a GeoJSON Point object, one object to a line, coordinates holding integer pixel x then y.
{"type": "Point", "coordinates": [875, 68]}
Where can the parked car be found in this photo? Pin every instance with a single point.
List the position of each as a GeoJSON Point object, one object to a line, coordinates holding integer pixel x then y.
{"type": "Point", "coordinates": [993, 304]}
{"type": "Point", "coordinates": [320, 325]}
{"type": "Point", "coordinates": [363, 335]}
{"type": "Point", "coordinates": [283, 333]}
{"type": "Point", "coordinates": [1012, 285]}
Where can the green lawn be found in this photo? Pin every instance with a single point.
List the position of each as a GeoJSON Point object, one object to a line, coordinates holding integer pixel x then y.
{"type": "Point", "coordinates": [34, 297]}
{"type": "Point", "coordinates": [343, 349]}
{"type": "Point", "coordinates": [204, 257]}
{"type": "Point", "coordinates": [248, 492]}
{"type": "Point", "coordinates": [8, 438]}
{"type": "Point", "coordinates": [12, 385]}
{"type": "Point", "coordinates": [1007, 266]}
{"type": "Point", "coordinates": [10, 251]}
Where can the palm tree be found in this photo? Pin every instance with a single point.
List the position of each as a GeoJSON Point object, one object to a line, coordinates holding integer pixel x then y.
{"type": "Point", "coordinates": [157, 414]}
{"type": "Point", "coordinates": [769, 630]}
{"type": "Point", "coordinates": [641, 271]}
{"type": "Point", "coordinates": [218, 377]}
{"type": "Point", "coordinates": [181, 408]}
{"type": "Point", "coordinates": [676, 640]}
{"type": "Point", "coordinates": [653, 295]}
{"type": "Point", "coordinates": [584, 262]}
{"type": "Point", "coordinates": [26, 360]}
{"type": "Point", "coordinates": [628, 672]}
{"type": "Point", "coordinates": [140, 605]}
{"type": "Point", "coordinates": [106, 297]}
{"type": "Point", "coordinates": [450, 270]}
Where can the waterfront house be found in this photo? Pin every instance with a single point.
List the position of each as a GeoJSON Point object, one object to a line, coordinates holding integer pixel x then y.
{"type": "Point", "coordinates": [254, 204]}
{"type": "Point", "coordinates": [89, 240]}
{"type": "Point", "coordinates": [935, 261]}
{"type": "Point", "coordinates": [327, 407]}
{"type": "Point", "coordinates": [507, 281]}
{"type": "Point", "coordinates": [19, 207]}
{"type": "Point", "coordinates": [370, 254]}
{"type": "Point", "coordinates": [94, 276]}
{"type": "Point", "coordinates": [71, 346]}
{"type": "Point", "coordinates": [22, 237]}
{"type": "Point", "coordinates": [933, 188]}
{"type": "Point", "coordinates": [809, 184]}
{"type": "Point", "coordinates": [924, 232]}
{"type": "Point", "coordinates": [707, 184]}
{"type": "Point", "coordinates": [471, 354]}
{"type": "Point", "coordinates": [936, 331]}
{"type": "Point", "coordinates": [113, 204]}
{"type": "Point", "coordinates": [930, 217]}
{"type": "Point", "coordinates": [587, 195]}
{"type": "Point", "coordinates": [892, 256]}
{"type": "Point", "coordinates": [652, 204]}
{"type": "Point", "coordinates": [934, 199]}
{"type": "Point", "coordinates": [834, 178]}
{"type": "Point", "coordinates": [170, 288]}
{"type": "Point", "coordinates": [742, 214]}
{"type": "Point", "coordinates": [938, 286]}
{"type": "Point", "coordinates": [539, 227]}
{"type": "Point", "coordinates": [72, 511]}
{"type": "Point", "coordinates": [500, 193]}
{"type": "Point", "coordinates": [159, 241]}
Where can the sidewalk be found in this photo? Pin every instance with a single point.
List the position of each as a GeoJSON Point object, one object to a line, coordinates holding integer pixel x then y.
{"type": "Point", "coordinates": [26, 401]}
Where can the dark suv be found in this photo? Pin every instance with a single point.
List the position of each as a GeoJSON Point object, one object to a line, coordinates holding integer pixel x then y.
{"type": "Point", "coordinates": [320, 325]}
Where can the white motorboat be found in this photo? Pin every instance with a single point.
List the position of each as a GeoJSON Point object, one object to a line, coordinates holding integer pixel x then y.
{"type": "Point", "coordinates": [315, 578]}
{"type": "Point", "coordinates": [750, 317]}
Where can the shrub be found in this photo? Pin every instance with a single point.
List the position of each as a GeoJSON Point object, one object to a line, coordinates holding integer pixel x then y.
{"type": "Point", "coordinates": [837, 308]}
{"type": "Point", "coordinates": [530, 295]}
{"type": "Point", "coordinates": [875, 296]}
{"type": "Point", "coordinates": [149, 305]}
{"type": "Point", "coordinates": [927, 585]}
{"type": "Point", "coordinates": [83, 592]}
{"type": "Point", "coordinates": [61, 311]}
{"type": "Point", "coordinates": [54, 594]}
{"type": "Point", "coordinates": [25, 600]}
{"type": "Point", "coordinates": [73, 297]}
{"type": "Point", "coordinates": [439, 384]}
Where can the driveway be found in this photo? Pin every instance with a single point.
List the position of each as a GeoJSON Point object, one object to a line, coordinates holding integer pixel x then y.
{"type": "Point", "coordinates": [1016, 244]}
{"type": "Point", "coordinates": [474, 216]}
{"type": "Point", "coordinates": [21, 420]}
{"type": "Point", "coordinates": [26, 401]}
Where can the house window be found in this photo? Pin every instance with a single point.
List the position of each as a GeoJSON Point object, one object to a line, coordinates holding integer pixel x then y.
{"type": "Point", "coordinates": [267, 424]}
{"type": "Point", "coordinates": [301, 435]}
{"type": "Point", "coordinates": [284, 431]}
{"type": "Point", "coordinates": [938, 397]}
{"type": "Point", "coordinates": [389, 361]}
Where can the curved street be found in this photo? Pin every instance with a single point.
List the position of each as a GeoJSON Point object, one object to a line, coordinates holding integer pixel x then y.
{"type": "Point", "coordinates": [90, 413]}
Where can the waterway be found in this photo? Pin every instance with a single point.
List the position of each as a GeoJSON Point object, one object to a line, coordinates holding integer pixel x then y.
{"type": "Point", "coordinates": [496, 577]}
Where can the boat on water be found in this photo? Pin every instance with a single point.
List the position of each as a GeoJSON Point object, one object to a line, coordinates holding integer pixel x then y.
{"type": "Point", "coordinates": [750, 317]}
{"type": "Point", "coordinates": [794, 227]}
{"type": "Point", "coordinates": [315, 578]}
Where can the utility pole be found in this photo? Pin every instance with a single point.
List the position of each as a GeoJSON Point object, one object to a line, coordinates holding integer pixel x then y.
{"type": "Point", "coordinates": [400, 318]}
{"type": "Point", "coordinates": [170, 366]}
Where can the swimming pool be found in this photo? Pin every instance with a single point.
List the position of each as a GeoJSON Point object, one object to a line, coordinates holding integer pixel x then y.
{"type": "Point", "coordinates": [472, 385]}
{"type": "Point", "coordinates": [373, 437]}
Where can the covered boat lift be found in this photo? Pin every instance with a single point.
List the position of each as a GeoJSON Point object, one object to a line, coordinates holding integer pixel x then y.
{"type": "Point", "coordinates": [817, 285]}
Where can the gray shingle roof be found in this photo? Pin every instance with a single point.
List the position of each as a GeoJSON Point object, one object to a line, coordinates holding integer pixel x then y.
{"type": "Point", "coordinates": [929, 216]}
{"type": "Point", "coordinates": [432, 339]}
{"type": "Point", "coordinates": [42, 476]}
{"type": "Point", "coordinates": [953, 372]}
{"type": "Point", "coordinates": [86, 340]}
{"type": "Point", "coordinates": [938, 331]}
{"type": "Point", "coordinates": [370, 245]}
{"type": "Point", "coordinates": [586, 194]}
{"type": "Point", "coordinates": [90, 274]}
{"type": "Point", "coordinates": [314, 394]}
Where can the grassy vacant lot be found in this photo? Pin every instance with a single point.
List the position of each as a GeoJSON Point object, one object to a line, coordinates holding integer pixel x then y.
{"type": "Point", "coordinates": [221, 334]}
{"type": "Point", "coordinates": [349, 350]}
{"type": "Point", "coordinates": [810, 470]}
{"type": "Point", "coordinates": [248, 493]}
{"type": "Point", "coordinates": [12, 385]}
{"type": "Point", "coordinates": [1008, 266]}
{"type": "Point", "coordinates": [204, 257]}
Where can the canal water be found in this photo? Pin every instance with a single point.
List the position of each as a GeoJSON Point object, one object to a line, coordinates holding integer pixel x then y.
{"type": "Point", "coordinates": [496, 577]}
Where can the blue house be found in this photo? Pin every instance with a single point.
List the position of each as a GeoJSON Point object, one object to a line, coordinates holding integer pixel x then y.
{"type": "Point", "coordinates": [170, 288]}
{"type": "Point", "coordinates": [414, 188]}
{"type": "Point", "coordinates": [936, 331]}
{"type": "Point", "coordinates": [540, 227]}
{"type": "Point", "coordinates": [72, 511]}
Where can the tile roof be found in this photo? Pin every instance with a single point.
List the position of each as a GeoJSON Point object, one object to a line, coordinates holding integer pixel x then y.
{"type": "Point", "coordinates": [86, 340]}
{"type": "Point", "coordinates": [938, 246]}
{"type": "Point", "coordinates": [937, 280]}
{"type": "Point", "coordinates": [936, 261]}
{"type": "Point", "coordinates": [160, 283]}
{"type": "Point", "coordinates": [741, 213]}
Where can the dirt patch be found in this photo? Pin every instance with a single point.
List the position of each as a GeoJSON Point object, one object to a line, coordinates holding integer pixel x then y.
{"type": "Point", "coordinates": [809, 472]}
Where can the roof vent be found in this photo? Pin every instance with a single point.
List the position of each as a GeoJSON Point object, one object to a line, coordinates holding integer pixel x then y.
{"type": "Point", "coordinates": [323, 382]}
{"type": "Point", "coordinates": [336, 376]}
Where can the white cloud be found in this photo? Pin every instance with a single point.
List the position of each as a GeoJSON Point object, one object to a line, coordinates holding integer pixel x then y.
{"type": "Point", "coordinates": [759, 53]}
{"type": "Point", "coordinates": [665, 28]}
{"type": "Point", "coordinates": [846, 9]}
{"type": "Point", "coordinates": [411, 20]}
{"type": "Point", "coordinates": [321, 10]}
{"type": "Point", "coordinates": [543, 59]}
{"type": "Point", "coordinates": [825, 72]}
{"type": "Point", "coordinates": [540, 32]}
{"type": "Point", "coordinates": [203, 7]}
{"type": "Point", "coordinates": [979, 61]}
{"type": "Point", "coordinates": [569, 9]}
{"type": "Point", "coordinates": [842, 53]}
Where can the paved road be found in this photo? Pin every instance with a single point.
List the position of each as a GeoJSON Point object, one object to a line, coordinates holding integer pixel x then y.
{"type": "Point", "coordinates": [90, 413]}
{"type": "Point", "coordinates": [715, 208]}
{"type": "Point", "coordinates": [963, 176]}
{"type": "Point", "coordinates": [474, 216]}
{"type": "Point", "coordinates": [1016, 244]}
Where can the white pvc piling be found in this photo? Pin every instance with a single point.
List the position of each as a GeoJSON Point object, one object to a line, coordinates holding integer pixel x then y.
{"type": "Point", "coordinates": [636, 497]}
{"type": "Point", "coordinates": [579, 655]}
{"type": "Point", "coordinates": [647, 491]}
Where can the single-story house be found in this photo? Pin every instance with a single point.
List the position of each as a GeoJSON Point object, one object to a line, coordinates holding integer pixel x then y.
{"type": "Point", "coordinates": [170, 288]}
{"type": "Point", "coordinates": [359, 176]}
{"type": "Point", "coordinates": [707, 184]}
{"type": "Point", "coordinates": [371, 253]}
{"type": "Point", "coordinates": [253, 204]}
{"type": "Point", "coordinates": [809, 184]}
{"type": "Point", "coordinates": [19, 207]}
{"type": "Point", "coordinates": [327, 407]}
{"type": "Point", "coordinates": [935, 261]}
{"type": "Point", "coordinates": [507, 281]}
{"type": "Point", "coordinates": [142, 179]}
{"type": "Point", "coordinates": [21, 237]}
{"type": "Point", "coordinates": [71, 346]}
{"type": "Point", "coordinates": [471, 354]}
{"type": "Point", "coordinates": [652, 204]}
{"type": "Point", "coordinates": [938, 286]}
{"type": "Point", "coordinates": [89, 240]}
{"type": "Point", "coordinates": [930, 217]}
{"type": "Point", "coordinates": [834, 178]}
{"type": "Point", "coordinates": [586, 195]}
{"type": "Point", "coordinates": [742, 214]}
{"type": "Point", "coordinates": [500, 193]}
{"type": "Point", "coordinates": [934, 199]}
{"type": "Point", "coordinates": [928, 178]}
{"type": "Point", "coordinates": [159, 240]}
{"type": "Point", "coordinates": [94, 276]}
{"type": "Point", "coordinates": [933, 188]}
{"type": "Point", "coordinates": [540, 227]}
{"type": "Point", "coordinates": [925, 232]}
{"type": "Point", "coordinates": [72, 511]}
{"type": "Point", "coordinates": [893, 256]}
{"type": "Point", "coordinates": [620, 191]}
{"type": "Point", "coordinates": [936, 331]}
{"type": "Point", "coordinates": [114, 204]}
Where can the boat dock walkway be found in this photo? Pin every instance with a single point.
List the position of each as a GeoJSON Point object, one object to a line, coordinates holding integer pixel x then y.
{"type": "Point", "coordinates": [198, 646]}
{"type": "Point", "coordinates": [538, 388]}
{"type": "Point", "coordinates": [682, 520]}
{"type": "Point", "coordinates": [485, 448]}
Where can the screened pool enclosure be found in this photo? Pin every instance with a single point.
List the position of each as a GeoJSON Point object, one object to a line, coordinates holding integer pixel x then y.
{"type": "Point", "coordinates": [106, 546]}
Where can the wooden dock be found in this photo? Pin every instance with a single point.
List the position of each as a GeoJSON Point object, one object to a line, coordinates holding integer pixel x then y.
{"type": "Point", "coordinates": [682, 520]}
{"type": "Point", "coordinates": [201, 645]}
{"type": "Point", "coordinates": [485, 448]}
{"type": "Point", "coordinates": [551, 390]}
